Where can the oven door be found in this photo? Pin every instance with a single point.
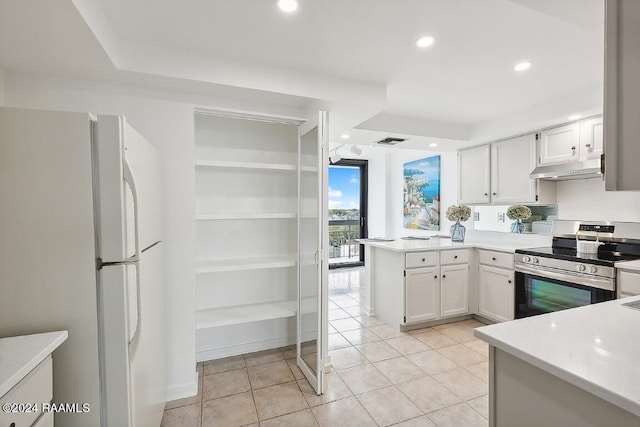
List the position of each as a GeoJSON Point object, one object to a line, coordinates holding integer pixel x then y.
{"type": "Point", "coordinates": [540, 290]}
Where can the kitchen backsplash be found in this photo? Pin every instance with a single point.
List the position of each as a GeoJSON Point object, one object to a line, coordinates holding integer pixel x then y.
{"type": "Point", "coordinates": [585, 199]}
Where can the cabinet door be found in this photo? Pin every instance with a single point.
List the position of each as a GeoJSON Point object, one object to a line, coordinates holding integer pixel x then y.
{"type": "Point", "coordinates": [591, 138]}
{"type": "Point", "coordinates": [628, 283]}
{"type": "Point", "coordinates": [559, 145]}
{"type": "Point", "coordinates": [473, 175]}
{"type": "Point", "coordinates": [454, 290]}
{"type": "Point", "coordinates": [496, 293]}
{"type": "Point", "coordinates": [421, 294]}
{"type": "Point", "coordinates": [313, 236]}
{"type": "Point", "coordinates": [512, 160]}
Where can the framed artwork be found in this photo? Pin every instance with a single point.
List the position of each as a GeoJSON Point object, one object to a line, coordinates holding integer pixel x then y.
{"type": "Point", "coordinates": [422, 194]}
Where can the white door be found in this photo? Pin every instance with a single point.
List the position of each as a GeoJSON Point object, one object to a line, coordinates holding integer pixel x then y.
{"type": "Point", "coordinates": [313, 236]}
{"type": "Point", "coordinates": [559, 145]}
{"type": "Point", "coordinates": [511, 162]}
{"type": "Point", "coordinates": [496, 298]}
{"type": "Point", "coordinates": [454, 290]}
{"type": "Point", "coordinates": [422, 294]}
{"type": "Point", "coordinates": [473, 175]}
{"type": "Point", "coordinates": [591, 138]}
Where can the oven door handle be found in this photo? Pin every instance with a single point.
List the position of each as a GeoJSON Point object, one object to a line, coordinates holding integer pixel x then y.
{"type": "Point", "coordinates": [594, 282]}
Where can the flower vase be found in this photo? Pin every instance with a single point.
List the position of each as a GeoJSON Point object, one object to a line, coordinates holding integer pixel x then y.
{"type": "Point", "coordinates": [517, 227]}
{"type": "Point", "coordinates": [457, 232]}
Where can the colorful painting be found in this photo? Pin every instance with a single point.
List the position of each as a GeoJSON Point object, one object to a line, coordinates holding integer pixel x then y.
{"type": "Point", "coordinates": [422, 194]}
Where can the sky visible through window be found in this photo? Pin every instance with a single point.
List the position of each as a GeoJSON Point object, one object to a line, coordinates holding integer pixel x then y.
{"type": "Point", "coordinates": [344, 187]}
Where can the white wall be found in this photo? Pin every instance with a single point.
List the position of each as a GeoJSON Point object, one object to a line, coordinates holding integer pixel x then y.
{"type": "Point", "coordinates": [1, 86]}
{"type": "Point", "coordinates": [166, 119]}
{"type": "Point", "coordinates": [585, 199]}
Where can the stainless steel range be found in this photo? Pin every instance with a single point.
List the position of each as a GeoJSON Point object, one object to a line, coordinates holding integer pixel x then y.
{"type": "Point", "coordinates": [578, 269]}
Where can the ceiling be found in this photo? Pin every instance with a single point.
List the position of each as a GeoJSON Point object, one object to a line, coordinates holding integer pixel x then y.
{"type": "Point", "coordinates": [356, 58]}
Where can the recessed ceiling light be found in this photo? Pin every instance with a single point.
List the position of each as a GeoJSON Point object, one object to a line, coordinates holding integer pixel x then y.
{"type": "Point", "coordinates": [433, 144]}
{"type": "Point", "coordinates": [344, 136]}
{"type": "Point", "coordinates": [574, 117]}
{"type": "Point", "coordinates": [522, 66]}
{"type": "Point", "coordinates": [288, 5]}
{"type": "Point", "coordinates": [426, 41]}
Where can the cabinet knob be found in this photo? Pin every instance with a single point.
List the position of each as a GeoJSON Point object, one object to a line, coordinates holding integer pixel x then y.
{"type": "Point", "coordinates": [486, 194]}
{"type": "Point", "coordinates": [493, 259]}
{"type": "Point", "coordinates": [435, 277]}
{"type": "Point", "coordinates": [493, 194]}
{"type": "Point", "coordinates": [424, 259]}
{"type": "Point", "coordinates": [573, 149]}
{"type": "Point", "coordinates": [455, 257]}
{"type": "Point", "coordinates": [444, 275]}
{"type": "Point", "coordinates": [508, 281]}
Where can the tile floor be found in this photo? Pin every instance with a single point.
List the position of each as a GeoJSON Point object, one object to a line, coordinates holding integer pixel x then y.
{"type": "Point", "coordinates": [379, 377]}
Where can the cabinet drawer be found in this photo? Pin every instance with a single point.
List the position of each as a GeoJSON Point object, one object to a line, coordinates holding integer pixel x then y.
{"type": "Point", "coordinates": [497, 259]}
{"type": "Point", "coordinates": [629, 283]}
{"type": "Point", "coordinates": [421, 259]}
{"type": "Point", "coordinates": [36, 387]}
{"type": "Point", "coordinates": [458, 256]}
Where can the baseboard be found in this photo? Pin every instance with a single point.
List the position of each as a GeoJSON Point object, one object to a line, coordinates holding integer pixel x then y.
{"type": "Point", "coordinates": [250, 347]}
{"type": "Point", "coordinates": [180, 391]}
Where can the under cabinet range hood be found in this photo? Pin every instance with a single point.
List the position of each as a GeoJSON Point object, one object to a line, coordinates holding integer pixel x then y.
{"type": "Point", "coordinates": [571, 170]}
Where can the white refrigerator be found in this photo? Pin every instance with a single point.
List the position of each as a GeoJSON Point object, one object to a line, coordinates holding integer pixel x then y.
{"type": "Point", "coordinates": [81, 249]}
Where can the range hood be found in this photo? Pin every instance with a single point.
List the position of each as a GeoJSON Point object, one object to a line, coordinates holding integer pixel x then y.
{"type": "Point", "coordinates": [569, 170]}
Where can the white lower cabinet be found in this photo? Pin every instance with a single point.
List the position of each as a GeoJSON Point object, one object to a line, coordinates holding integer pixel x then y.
{"type": "Point", "coordinates": [454, 290]}
{"type": "Point", "coordinates": [495, 293]}
{"type": "Point", "coordinates": [422, 294]}
{"type": "Point", "coordinates": [628, 283]}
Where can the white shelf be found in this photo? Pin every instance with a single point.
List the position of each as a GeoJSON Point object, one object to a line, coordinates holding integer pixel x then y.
{"type": "Point", "coordinates": [246, 165]}
{"type": "Point", "coordinates": [246, 215]}
{"type": "Point", "coordinates": [216, 317]}
{"type": "Point", "coordinates": [236, 264]}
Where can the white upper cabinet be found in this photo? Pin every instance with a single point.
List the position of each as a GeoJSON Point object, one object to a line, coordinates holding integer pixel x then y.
{"type": "Point", "coordinates": [474, 175]}
{"type": "Point", "coordinates": [591, 138]}
{"type": "Point", "coordinates": [559, 145]}
{"type": "Point", "coordinates": [621, 100]}
{"type": "Point", "coordinates": [511, 162]}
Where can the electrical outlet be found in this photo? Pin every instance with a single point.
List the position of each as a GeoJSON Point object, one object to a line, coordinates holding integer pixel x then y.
{"type": "Point", "coordinates": [476, 216]}
{"type": "Point", "coordinates": [501, 217]}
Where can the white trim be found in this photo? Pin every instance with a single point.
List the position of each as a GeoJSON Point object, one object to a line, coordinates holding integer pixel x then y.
{"type": "Point", "coordinates": [180, 391]}
{"type": "Point", "coordinates": [249, 115]}
{"type": "Point", "coordinates": [250, 347]}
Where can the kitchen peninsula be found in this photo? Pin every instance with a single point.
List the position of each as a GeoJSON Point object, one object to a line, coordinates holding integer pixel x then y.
{"type": "Point", "coordinates": [574, 367]}
{"type": "Point", "coordinates": [416, 283]}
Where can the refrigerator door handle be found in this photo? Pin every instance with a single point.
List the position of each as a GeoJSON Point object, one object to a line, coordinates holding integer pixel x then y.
{"type": "Point", "coordinates": [128, 178]}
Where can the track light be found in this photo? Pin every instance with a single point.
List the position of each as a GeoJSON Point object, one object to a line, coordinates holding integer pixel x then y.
{"type": "Point", "coordinates": [335, 158]}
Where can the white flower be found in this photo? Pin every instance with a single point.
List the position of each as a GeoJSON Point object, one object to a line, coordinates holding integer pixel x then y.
{"type": "Point", "coordinates": [458, 213]}
{"type": "Point", "coordinates": [518, 212]}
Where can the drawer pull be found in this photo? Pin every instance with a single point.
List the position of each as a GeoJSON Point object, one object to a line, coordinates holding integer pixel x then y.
{"type": "Point", "coordinates": [444, 275]}
{"type": "Point", "coordinates": [435, 277]}
{"type": "Point", "coordinates": [509, 281]}
{"type": "Point", "coordinates": [493, 259]}
{"type": "Point", "coordinates": [424, 259]}
{"type": "Point", "coordinates": [455, 257]}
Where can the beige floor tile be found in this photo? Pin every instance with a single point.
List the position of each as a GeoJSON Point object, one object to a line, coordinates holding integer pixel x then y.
{"type": "Point", "coordinates": [459, 334]}
{"type": "Point", "coordinates": [298, 419]}
{"type": "Point", "coordinates": [422, 421]}
{"type": "Point", "coordinates": [187, 400]}
{"type": "Point", "coordinates": [262, 357]}
{"type": "Point", "coordinates": [293, 365]}
{"type": "Point", "coordinates": [230, 411]}
{"type": "Point", "coordinates": [289, 352]}
{"type": "Point", "coordinates": [428, 394]}
{"type": "Point", "coordinates": [479, 346]}
{"type": "Point", "coordinates": [407, 345]}
{"type": "Point", "coordinates": [434, 339]}
{"type": "Point", "coordinates": [338, 313]}
{"type": "Point", "coordinates": [385, 332]}
{"type": "Point", "coordinates": [471, 324]}
{"type": "Point", "coordinates": [337, 341]}
{"type": "Point", "coordinates": [362, 379]}
{"type": "Point", "coordinates": [360, 336]}
{"type": "Point", "coordinates": [221, 365]}
{"type": "Point", "coordinates": [388, 406]}
{"type": "Point", "coordinates": [342, 411]}
{"type": "Point", "coordinates": [481, 370]}
{"type": "Point", "coordinates": [349, 324]}
{"type": "Point", "coordinates": [461, 354]}
{"type": "Point", "coordinates": [369, 321]}
{"type": "Point", "coordinates": [346, 358]}
{"type": "Point", "coordinates": [376, 351]}
{"type": "Point", "coordinates": [463, 384]}
{"type": "Point", "coordinates": [399, 370]}
{"type": "Point", "coordinates": [431, 362]}
{"type": "Point", "coordinates": [225, 384]}
{"type": "Point", "coordinates": [345, 303]}
{"type": "Point", "coordinates": [355, 311]}
{"type": "Point", "coordinates": [458, 415]}
{"type": "Point", "coordinates": [279, 400]}
{"type": "Point", "coordinates": [184, 416]}
{"type": "Point", "coordinates": [334, 389]}
{"type": "Point", "coordinates": [481, 405]}
{"type": "Point", "coordinates": [269, 374]}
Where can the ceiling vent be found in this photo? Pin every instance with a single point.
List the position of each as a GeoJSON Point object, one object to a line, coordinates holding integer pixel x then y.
{"type": "Point", "coordinates": [391, 141]}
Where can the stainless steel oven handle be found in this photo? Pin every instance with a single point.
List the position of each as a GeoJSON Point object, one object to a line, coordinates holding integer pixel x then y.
{"type": "Point", "coordinates": [594, 282]}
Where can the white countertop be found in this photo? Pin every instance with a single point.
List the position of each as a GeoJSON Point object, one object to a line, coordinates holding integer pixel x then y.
{"type": "Point", "coordinates": [595, 348]}
{"type": "Point", "coordinates": [629, 265]}
{"type": "Point", "coordinates": [19, 355]}
{"type": "Point", "coordinates": [509, 243]}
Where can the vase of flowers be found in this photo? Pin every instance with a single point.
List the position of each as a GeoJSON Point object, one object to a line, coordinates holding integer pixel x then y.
{"type": "Point", "coordinates": [518, 213]}
{"type": "Point", "coordinates": [458, 213]}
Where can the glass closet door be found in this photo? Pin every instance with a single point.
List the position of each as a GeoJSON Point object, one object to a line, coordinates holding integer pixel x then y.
{"type": "Point", "coordinates": [312, 254]}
